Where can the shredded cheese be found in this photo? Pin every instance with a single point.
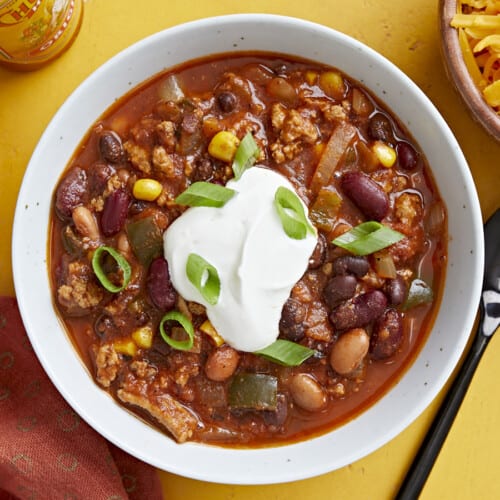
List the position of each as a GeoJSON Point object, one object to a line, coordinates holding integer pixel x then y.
{"type": "Point", "coordinates": [478, 24]}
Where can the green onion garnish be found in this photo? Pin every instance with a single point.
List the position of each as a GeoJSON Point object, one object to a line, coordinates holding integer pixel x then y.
{"type": "Point", "coordinates": [121, 262]}
{"type": "Point", "coordinates": [286, 353]}
{"type": "Point", "coordinates": [204, 277]}
{"type": "Point", "coordinates": [180, 345]}
{"type": "Point", "coordinates": [367, 238]}
{"type": "Point", "coordinates": [245, 156]}
{"type": "Point", "coordinates": [205, 194]}
{"type": "Point", "coordinates": [292, 214]}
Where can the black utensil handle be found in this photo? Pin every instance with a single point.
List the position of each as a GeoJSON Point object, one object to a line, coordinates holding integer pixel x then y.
{"type": "Point", "coordinates": [436, 435]}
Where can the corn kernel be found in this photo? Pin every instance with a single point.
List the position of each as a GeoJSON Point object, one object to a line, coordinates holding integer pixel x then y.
{"type": "Point", "coordinates": [143, 337]}
{"type": "Point", "coordinates": [223, 146]}
{"type": "Point", "coordinates": [332, 84]}
{"type": "Point", "coordinates": [385, 154]}
{"type": "Point", "coordinates": [125, 346]}
{"type": "Point", "coordinates": [208, 328]}
{"type": "Point", "coordinates": [146, 189]}
{"type": "Point", "coordinates": [311, 77]}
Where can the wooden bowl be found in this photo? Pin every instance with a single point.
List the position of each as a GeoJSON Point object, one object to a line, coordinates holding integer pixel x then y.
{"type": "Point", "coordinates": [459, 75]}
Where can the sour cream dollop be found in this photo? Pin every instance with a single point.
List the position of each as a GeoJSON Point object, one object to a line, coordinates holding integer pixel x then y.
{"type": "Point", "coordinates": [257, 262]}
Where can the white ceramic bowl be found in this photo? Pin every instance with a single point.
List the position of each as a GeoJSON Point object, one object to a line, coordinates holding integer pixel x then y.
{"type": "Point", "coordinates": [378, 424]}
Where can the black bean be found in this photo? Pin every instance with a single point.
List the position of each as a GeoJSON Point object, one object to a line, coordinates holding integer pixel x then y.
{"type": "Point", "coordinates": [407, 156]}
{"type": "Point", "coordinates": [104, 326]}
{"type": "Point", "coordinates": [351, 264]}
{"type": "Point", "coordinates": [72, 192]}
{"type": "Point", "coordinates": [387, 335]}
{"type": "Point", "coordinates": [99, 174]}
{"type": "Point", "coordinates": [396, 290]}
{"type": "Point", "coordinates": [277, 417]}
{"type": "Point", "coordinates": [115, 212]}
{"type": "Point", "coordinates": [366, 194]}
{"type": "Point", "coordinates": [359, 311]}
{"type": "Point", "coordinates": [338, 289]}
{"type": "Point", "coordinates": [318, 256]}
{"type": "Point", "coordinates": [110, 146]}
{"type": "Point", "coordinates": [160, 288]}
{"type": "Point", "coordinates": [380, 128]}
{"type": "Point", "coordinates": [291, 324]}
{"type": "Point", "coordinates": [226, 101]}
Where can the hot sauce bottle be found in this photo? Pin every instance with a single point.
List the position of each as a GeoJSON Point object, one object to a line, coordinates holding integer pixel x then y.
{"type": "Point", "coordinates": [34, 32]}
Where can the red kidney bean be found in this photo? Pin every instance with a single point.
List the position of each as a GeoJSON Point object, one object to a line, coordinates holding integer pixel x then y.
{"type": "Point", "coordinates": [110, 146]}
{"type": "Point", "coordinates": [407, 156]}
{"type": "Point", "coordinates": [387, 335]}
{"type": "Point", "coordinates": [351, 264]}
{"type": "Point", "coordinates": [380, 128]}
{"type": "Point", "coordinates": [115, 212]}
{"type": "Point", "coordinates": [366, 194]}
{"type": "Point", "coordinates": [159, 286]}
{"type": "Point", "coordinates": [318, 256]}
{"type": "Point", "coordinates": [291, 324]}
{"type": "Point", "coordinates": [396, 290]}
{"type": "Point", "coordinates": [338, 289]}
{"type": "Point", "coordinates": [72, 192]}
{"type": "Point", "coordinates": [359, 311]}
{"type": "Point", "coordinates": [226, 101]}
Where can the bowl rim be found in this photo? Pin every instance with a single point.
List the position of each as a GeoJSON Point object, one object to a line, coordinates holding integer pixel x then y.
{"type": "Point", "coordinates": [243, 466]}
{"type": "Point", "coordinates": [458, 74]}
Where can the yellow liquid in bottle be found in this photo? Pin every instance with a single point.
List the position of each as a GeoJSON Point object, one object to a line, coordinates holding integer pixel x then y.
{"type": "Point", "coordinates": [34, 32]}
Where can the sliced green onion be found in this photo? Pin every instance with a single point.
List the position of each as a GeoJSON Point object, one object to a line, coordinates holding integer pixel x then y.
{"type": "Point", "coordinates": [204, 277]}
{"type": "Point", "coordinates": [367, 238]}
{"type": "Point", "coordinates": [121, 262]}
{"type": "Point", "coordinates": [419, 293]}
{"type": "Point", "coordinates": [245, 156]}
{"type": "Point", "coordinates": [180, 345]}
{"type": "Point", "coordinates": [205, 194]}
{"type": "Point", "coordinates": [292, 214]}
{"type": "Point", "coordinates": [286, 353]}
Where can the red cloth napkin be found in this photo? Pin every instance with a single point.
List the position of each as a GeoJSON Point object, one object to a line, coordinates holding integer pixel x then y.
{"type": "Point", "coordinates": [46, 450]}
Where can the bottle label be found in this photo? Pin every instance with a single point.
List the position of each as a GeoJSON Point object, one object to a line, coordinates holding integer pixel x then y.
{"type": "Point", "coordinates": [15, 12]}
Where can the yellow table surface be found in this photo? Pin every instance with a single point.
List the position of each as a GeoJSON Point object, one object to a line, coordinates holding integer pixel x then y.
{"type": "Point", "coordinates": [406, 33]}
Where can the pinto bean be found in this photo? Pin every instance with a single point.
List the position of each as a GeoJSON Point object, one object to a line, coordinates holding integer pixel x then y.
{"type": "Point", "coordinates": [85, 223]}
{"type": "Point", "coordinates": [396, 290]}
{"type": "Point", "coordinates": [307, 392]}
{"type": "Point", "coordinates": [407, 156]}
{"type": "Point", "coordinates": [115, 212]}
{"type": "Point", "coordinates": [159, 286]}
{"type": "Point", "coordinates": [338, 289]}
{"type": "Point", "coordinates": [387, 335]}
{"type": "Point", "coordinates": [280, 89]}
{"type": "Point", "coordinates": [366, 194]}
{"type": "Point", "coordinates": [359, 311]}
{"type": "Point", "coordinates": [221, 363]}
{"type": "Point", "coordinates": [349, 351]}
{"type": "Point", "coordinates": [110, 146]}
{"type": "Point", "coordinates": [351, 264]}
{"type": "Point", "coordinates": [72, 192]}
